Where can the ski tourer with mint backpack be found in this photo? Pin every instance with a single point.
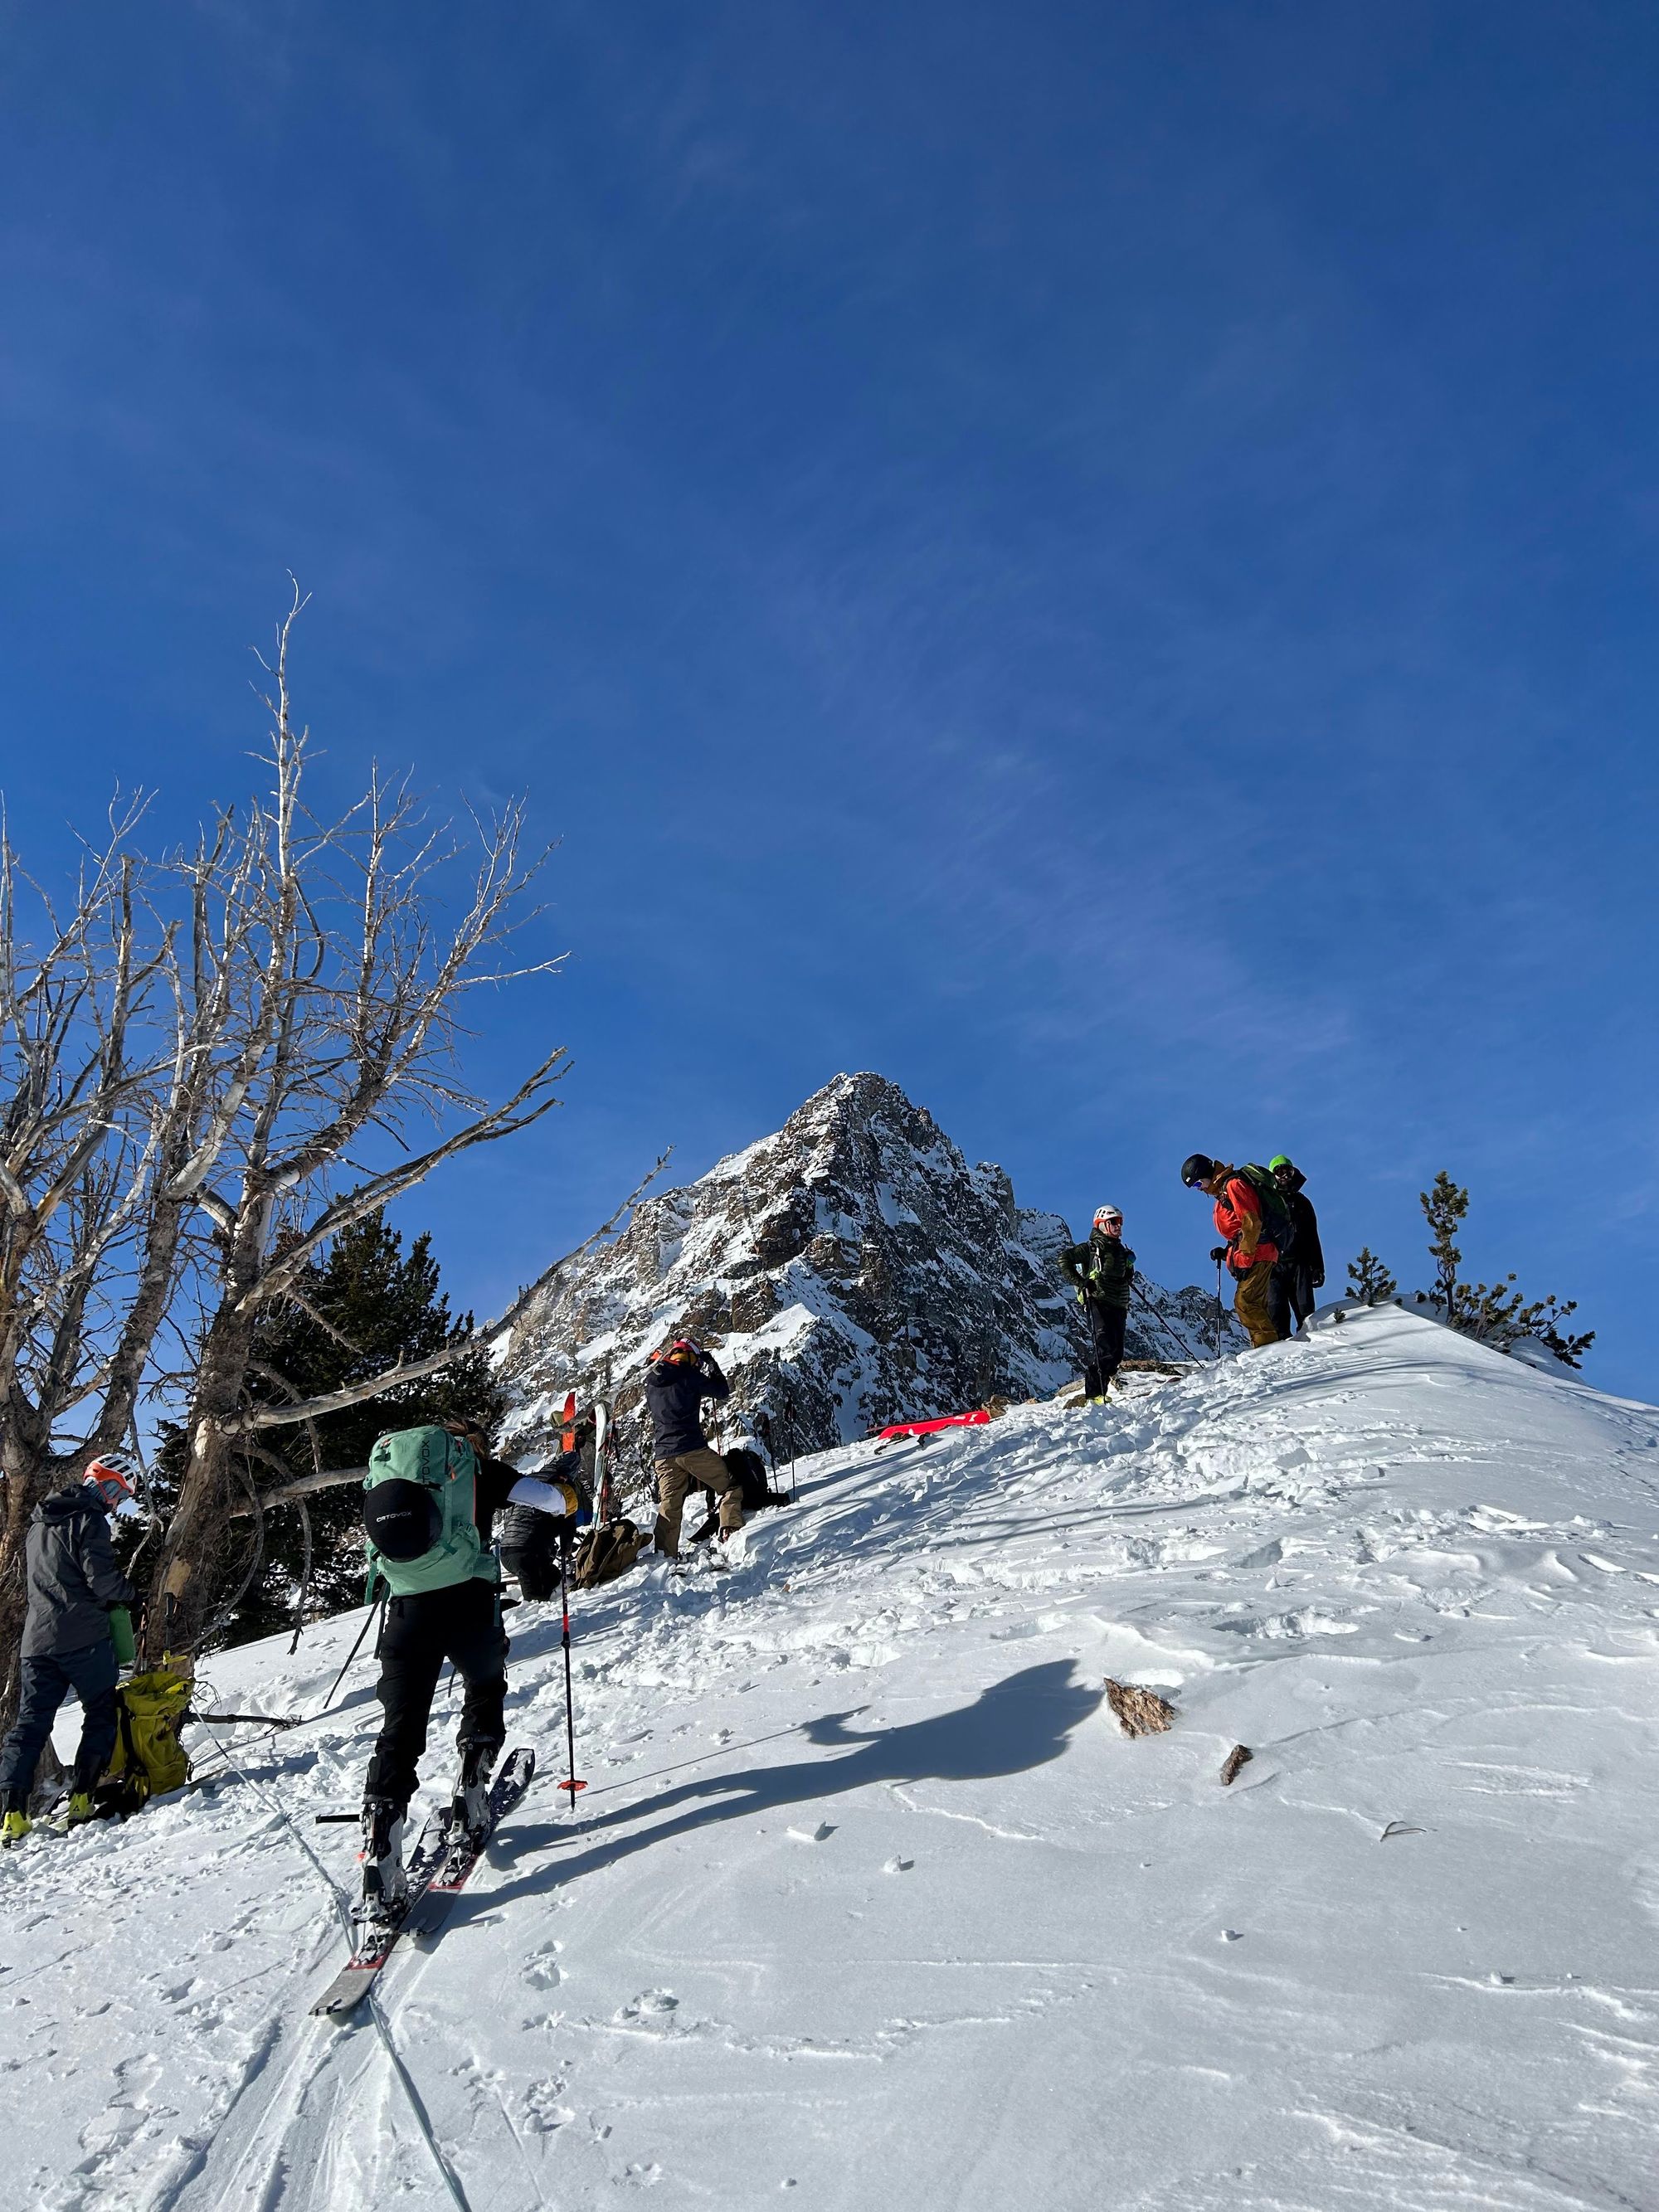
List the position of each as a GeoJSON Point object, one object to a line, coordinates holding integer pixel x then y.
{"type": "Point", "coordinates": [420, 1514]}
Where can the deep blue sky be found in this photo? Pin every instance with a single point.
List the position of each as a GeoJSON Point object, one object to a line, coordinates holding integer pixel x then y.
{"type": "Point", "coordinates": [1099, 561]}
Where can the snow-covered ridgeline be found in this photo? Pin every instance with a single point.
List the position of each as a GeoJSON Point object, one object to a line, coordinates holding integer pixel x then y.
{"type": "Point", "coordinates": [871, 1902]}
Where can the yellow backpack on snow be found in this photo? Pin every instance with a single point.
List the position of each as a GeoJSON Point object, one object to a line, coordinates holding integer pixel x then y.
{"type": "Point", "coordinates": [149, 1760]}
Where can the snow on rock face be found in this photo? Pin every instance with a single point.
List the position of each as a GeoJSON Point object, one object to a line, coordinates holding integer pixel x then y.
{"type": "Point", "coordinates": [851, 1270]}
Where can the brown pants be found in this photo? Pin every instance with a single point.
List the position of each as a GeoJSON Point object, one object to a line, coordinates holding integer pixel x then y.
{"type": "Point", "coordinates": [678, 1478]}
{"type": "Point", "coordinates": [1252, 1303]}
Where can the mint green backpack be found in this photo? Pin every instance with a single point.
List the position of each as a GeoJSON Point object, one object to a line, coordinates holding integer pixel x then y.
{"type": "Point", "coordinates": [419, 1499]}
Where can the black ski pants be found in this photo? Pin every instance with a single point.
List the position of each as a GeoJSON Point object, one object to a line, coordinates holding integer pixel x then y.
{"type": "Point", "coordinates": [535, 1565]}
{"type": "Point", "coordinates": [92, 1674]}
{"type": "Point", "coordinates": [1290, 1294]}
{"type": "Point", "coordinates": [1106, 1327]}
{"type": "Point", "coordinates": [461, 1624]}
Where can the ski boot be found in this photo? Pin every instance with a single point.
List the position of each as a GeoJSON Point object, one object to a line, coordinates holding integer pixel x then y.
{"type": "Point", "coordinates": [14, 1826]}
{"type": "Point", "coordinates": [385, 1885]}
{"type": "Point", "coordinates": [82, 1805]}
{"type": "Point", "coordinates": [469, 1808]}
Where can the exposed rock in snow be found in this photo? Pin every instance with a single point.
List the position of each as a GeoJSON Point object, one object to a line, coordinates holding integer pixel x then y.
{"type": "Point", "coordinates": [852, 1270]}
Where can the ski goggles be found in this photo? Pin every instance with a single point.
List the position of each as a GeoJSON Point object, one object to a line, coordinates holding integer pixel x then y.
{"type": "Point", "coordinates": [110, 1484]}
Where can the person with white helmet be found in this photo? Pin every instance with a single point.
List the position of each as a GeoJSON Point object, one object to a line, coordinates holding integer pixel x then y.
{"type": "Point", "coordinates": [77, 1634]}
{"type": "Point", "coordinates": [1102, 1272]}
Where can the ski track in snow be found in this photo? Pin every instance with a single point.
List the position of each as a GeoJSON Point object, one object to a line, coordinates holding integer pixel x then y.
{"type": "Point", "coordinates": [869, 1900]}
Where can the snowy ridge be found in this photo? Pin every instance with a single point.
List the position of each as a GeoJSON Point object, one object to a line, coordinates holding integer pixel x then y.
{"type": "Point", "coordinates": [872, 1902]}
{"type": "Point", "coordinates": [853, 1269]}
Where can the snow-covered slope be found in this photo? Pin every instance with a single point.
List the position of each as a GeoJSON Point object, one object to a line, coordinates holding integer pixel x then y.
{"type": "Point", "coordinates": [871, 1903]}
{"type": "Point", "coordinates": [853, 1269]}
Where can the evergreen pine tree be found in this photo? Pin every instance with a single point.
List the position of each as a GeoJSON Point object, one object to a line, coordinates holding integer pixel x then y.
{"type": "Point", "coordinates": [363, 1303]}
{"type": "Point", "coordinates": [1368, 1279]}
{"type": "Point", "coordinates": [1443, 1209]}
{"type": "Point", "coordinates": [1495, 1313]}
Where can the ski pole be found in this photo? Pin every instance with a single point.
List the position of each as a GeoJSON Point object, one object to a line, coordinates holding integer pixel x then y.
{"type": "Point", "coordinates": [794, 1440]}
{"type": "Point", "coordinates": [1165, 1321]}
{"type": "Point", "coordinates": [1218, 1308]}
{"type": "Point", "coordinates": [375, 1611]}
{"type": "Point", "coordinates": [570, 1781]}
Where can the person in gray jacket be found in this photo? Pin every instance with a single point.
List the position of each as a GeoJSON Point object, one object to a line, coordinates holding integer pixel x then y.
{"type": "Point", "coordinates": [77, 1614]}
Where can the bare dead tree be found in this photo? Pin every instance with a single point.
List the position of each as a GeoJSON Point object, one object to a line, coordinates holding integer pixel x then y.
{"type": "Point", "coordinates": [85, 1031]}
{"type": "Point", "coordinates": [345, 995]}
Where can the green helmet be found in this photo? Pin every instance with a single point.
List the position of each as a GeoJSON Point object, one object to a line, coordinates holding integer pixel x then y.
{"type": "Point", "coordinates": [1281, 1160]}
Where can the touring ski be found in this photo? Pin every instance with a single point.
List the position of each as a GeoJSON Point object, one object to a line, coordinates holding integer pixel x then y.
{"type": "Point", "coordinates": [465, 1850]}
{"type": "Point", "coordinates": [605, 1437]}
{"type": "Point", "coordinates": [438, 1870]}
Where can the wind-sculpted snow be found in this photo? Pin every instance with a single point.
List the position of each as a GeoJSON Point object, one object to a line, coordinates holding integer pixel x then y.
{"type": "Point", "coordinates": [853, 1270]}
{"type": "Point", "coordinates": [869, 1901]}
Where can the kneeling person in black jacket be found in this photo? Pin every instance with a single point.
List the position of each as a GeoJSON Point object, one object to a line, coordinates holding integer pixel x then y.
{"type": "Point", "coordinates": [530, 1540]}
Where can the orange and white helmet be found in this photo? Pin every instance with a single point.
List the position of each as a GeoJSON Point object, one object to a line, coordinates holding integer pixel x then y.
{"type": "Point", "coordinates": [113, 1476]}
{"type": "Point", "coordinates": [1105, 1213]}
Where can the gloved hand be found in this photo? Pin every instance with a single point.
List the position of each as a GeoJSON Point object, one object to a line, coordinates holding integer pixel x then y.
{"type": "Point", "coordinates": [1219, 1254]}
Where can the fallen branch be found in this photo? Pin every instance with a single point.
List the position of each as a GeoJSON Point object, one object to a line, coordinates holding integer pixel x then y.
{"type": "Point", "coordinates": [1239, 1756]}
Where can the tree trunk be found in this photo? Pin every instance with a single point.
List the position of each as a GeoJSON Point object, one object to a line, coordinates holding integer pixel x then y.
{"type": "Point", "coordinates": [192, 1574]}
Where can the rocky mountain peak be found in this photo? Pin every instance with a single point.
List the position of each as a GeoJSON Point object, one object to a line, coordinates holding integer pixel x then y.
{"type": "Point", "coordinates": [850, 1270]}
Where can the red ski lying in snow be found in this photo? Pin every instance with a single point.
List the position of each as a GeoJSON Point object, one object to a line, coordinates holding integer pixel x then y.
{"type": "Point", "coordinates": [926, 1428]}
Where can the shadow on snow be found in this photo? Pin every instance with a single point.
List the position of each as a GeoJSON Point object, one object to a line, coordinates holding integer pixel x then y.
{"type": "Point", "coordinates": [1008, 1730]}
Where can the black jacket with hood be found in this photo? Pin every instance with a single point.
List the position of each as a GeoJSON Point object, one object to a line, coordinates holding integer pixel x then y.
{"type": "Point", "coordinates": [674, 1388]}
{"type": "Point", "coordinates": [73, 1578]}
{"type": "Point", "coordinates": [1306, 1255]}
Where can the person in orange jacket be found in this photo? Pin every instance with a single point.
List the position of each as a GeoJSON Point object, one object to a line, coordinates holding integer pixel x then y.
{"type": "Point", "coordinates": [1249, 1251]}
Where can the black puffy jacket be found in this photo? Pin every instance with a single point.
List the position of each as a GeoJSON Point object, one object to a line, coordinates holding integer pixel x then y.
{"type": "Point", "coordinates": [674, 1389]}
{"type": "Point", "coordinates": [1306, 1252]}
{"type": "Point", "coordinates": [524, 1527]}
